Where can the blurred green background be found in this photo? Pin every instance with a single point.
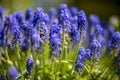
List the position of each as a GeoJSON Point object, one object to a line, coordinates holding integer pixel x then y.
{"type": "Point", "coordinates": [103, 8]}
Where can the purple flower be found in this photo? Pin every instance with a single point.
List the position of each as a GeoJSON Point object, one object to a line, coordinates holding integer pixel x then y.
{"type": "Point", "coordinates": [29, 64]}
{"type": "Point", "coordinates": [12, 73]}
{"type": "Point", "coordinates": [98, 30]}
{"type": "Point", "coordinates": [115, 40]}
{"type": "Point", "coordinates": [46, 19]}
{"type": "Point", "coordinates": [80, 59]}
{"type": "Point", "coordinates": [20, 18]}
{"type": "Point", "coordinates": [29, 15]}
{"type": "Point", "coordinates": [38, 16]}
{"type": "Point", "coordinates": [52, 13]}
{"type": "Point", "coordinates": [42, 30]}
{"type": "Point", "coordinates": [92, 36]}
{"type": "Point", "coordinates": [1, 13]}
{"type": "Point", "coordinates": [63, 13]}
{"type": "Point", "coordinates": [2, 38]}
{"type": "Point", "coordinates": [17, 37]}
{"type": "Point", "coordinates": [55, 40]}
{"type": "Point", "coordinates": [75, 35]}
{"type": "Point", "coordinates": [94, 20]}
{"type": "Point", "coordinates": [34, 37]}
{"type": "Point", "coordinates": [82, 22]}
{"type": "Point", "coordinates": [110, 31]}
{"type": "Point", "coordinates": [95, 48]}
{"type": "Point", "coordinates": [73, 11]}
{"type": "Point", "coordinates": [89, 54]}
{"type": "Point", "coordinates": [24, 44]}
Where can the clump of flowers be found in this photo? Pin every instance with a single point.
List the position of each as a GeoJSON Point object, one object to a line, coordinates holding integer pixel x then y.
{"type": "Point", "coordinates": [58, 45]}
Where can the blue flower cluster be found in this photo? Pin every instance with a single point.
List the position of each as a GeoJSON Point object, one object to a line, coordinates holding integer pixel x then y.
{"type": "Point", "coordinates": [69, 28]}
{"type": "Point", "coordinates": [29, 64]}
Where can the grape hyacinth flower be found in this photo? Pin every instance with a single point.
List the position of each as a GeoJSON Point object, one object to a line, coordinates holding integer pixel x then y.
{"type": "Point", "coordinates": [24, 44]}
{"type": "Point", "coordinates": [115, 40]}
{"type": "Point", "coordinates": [1, 17]}
{"type": "Point", "coordinates": [43, 29]}
{"type": "Point", "coordinates": [17, 37]}
{"type": "Point", "coordinates": [61, 13]}
{"type": "Point", "coordinates": [1, 12]}
{"type": "Point", "coordinates": [89, 54]}
{"type": "Point", "coordinates": [95, 48]}
{"type": "Point", "coordinates": [64, 18]}
{"type": "Point", "coordinates": [29, 15]}
{"type": "Point", "coordinates": [94, 20]}
{"type": "Point", "coordinates": [20, 18]}
{"type": "Point", "coordinates": [38, 16]}
{"type": "Point", "coordinates": [29, 64]}
{"type": "Point", "coordinates": [52, 14]}
{"type": "Point", "coordinates": [12, 73]}
{"type": "Point", "coordinates": [55, 40]}
{"type": "Point", "coordinates": [74, 34]}
{"type": "Point", "coordinates": [82, 22]}
{"type": "Point", "coordinates": [46, 19]}
{"type": "Point", "coordinates": [35, 38]}
{"type": "Point", "coordinates": [110, 31]}
{"type": "Point", "coordinates": [98, 30]}
{"type": "Point", "coordinates": [2, 39]}
{"type": "Point", "coordinates": [73, 11]}
{"type": "Point", "coordinates": [80, 59]}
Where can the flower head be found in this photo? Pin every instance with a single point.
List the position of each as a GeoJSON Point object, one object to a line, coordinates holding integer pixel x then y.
{"type": "Point", "coordinates": [115, 40]}
{"type": "Point", "coordinates": [28, 14]}
{"type": "Point", "coordinates": [12, 73]}
{"type": "Point", "coordinates": [89, 54]}
{"type": "Point", "coordinates": [73, 11]}
{"type": "Point", "coordinates": [29, 64]}
{"type": "Point", "coordinates": [55, 40]}
{"type": "Point", "coordinates": [82, 22]}
{"type": "Point", "coordinates": [74, 34]}
{"type": "Point", "coordinates": [94, 20]}
{"type": "Point", "coordinates": [63, 13]}
{"type": "Point", "coordinates": [98, 30]}
{"type": "Point", "coordinates": [95, 48]}
{"type": "Point", "coordinates": [38, 16]}
{"type": "Point", "coordinates": [52, 13]}
{"type": "Point", "coordinates": [1, 13]}
{"type": "Point", "coordinates": [80, 59]}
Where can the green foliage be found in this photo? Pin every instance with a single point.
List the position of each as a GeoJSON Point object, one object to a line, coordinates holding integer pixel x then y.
{"type": "Point", "coordinates": [59, 69]}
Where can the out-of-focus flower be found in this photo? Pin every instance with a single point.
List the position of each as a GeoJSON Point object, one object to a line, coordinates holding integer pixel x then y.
{"type": "Point", "coordinates": [12, 73]}
{"type": "Point", "coordinates": [115, 40]}
{"type": "Point", "coordinates": [1, 13]}
{"type": "Point", "coordinates": [20, 18]}
{"type": "Point", "coordinates": [95, 48]}
{"type": "Point", "coordinates": [52, 13]}
{"type": "Point", "coordinates": [94, 20]}
{"type": "Point", "coordinates": [55, 40]}
{"type": "Point", "coordinates": [110, 31]}
{"type": "Point", "coordinates": [80, 59]}
{"type": "Point", "coordinates": [75, 35]}
{"type": "Point", "coordinates": [29, 15]}
{"type": "Point", "coordinates": [46, 19]}
{"type": "Point", "coordinates": [73, 11]}
{"type": "Point", "coordinates": [17, 36]}
{"type": "Point", "coordinates": [38, 16]}
{"type": "Point", "coordinates": [2, 39]}
{"type": "Point", "coordinates": [98, 30]}
{"type": "Point", "coordinates": [89, 54]}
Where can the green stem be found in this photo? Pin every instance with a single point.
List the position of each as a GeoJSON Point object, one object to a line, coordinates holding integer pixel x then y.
{"type": "Point", "coordinates": [6, 53]}
{"type": "Point", "coordinates": [62, 48]}
{"type": "Point", "coordinates": [78, 47]}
